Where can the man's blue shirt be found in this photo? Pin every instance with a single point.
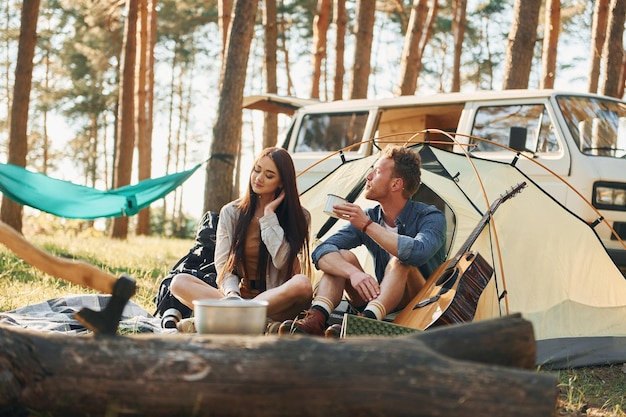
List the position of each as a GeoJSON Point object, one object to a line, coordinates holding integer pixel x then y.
{"type": "Point", "coordinates": [421, 239]}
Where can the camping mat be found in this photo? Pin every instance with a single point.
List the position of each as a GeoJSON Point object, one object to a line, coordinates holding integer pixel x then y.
{"type": "Point", "coordinates": [57, 315]}
{"type": "Point", "coordinates": [354, 325]}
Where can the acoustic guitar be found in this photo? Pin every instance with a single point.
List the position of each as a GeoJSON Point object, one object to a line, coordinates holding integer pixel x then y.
{"type": "Point", "coordinates": [451, 293]}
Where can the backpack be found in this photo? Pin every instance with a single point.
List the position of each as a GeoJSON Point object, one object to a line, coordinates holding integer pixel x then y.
{"type": "Point", "coordinates": [198, 262]}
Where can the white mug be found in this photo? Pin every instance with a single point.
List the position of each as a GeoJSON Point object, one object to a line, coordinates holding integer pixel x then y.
{"type": "Point", "coordinates": [333, 200]}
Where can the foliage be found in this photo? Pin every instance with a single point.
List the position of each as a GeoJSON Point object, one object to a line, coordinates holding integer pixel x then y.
{"type": "Point", "coordinates": [177, 19]}
{"type": "Point", "coordinates": [182, 227]}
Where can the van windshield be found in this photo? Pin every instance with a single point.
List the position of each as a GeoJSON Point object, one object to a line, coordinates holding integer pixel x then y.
{"type": "Point", "coordinates": [597, 125]}
{"type": "Point", "coordinates": [329, 132]}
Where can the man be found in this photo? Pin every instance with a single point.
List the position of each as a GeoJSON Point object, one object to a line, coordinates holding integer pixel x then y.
{"type": "Point", "coordinates": [405, 238]}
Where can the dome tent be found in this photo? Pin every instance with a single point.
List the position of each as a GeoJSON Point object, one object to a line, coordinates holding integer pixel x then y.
{"type": "Point", "coordinates": [549, 265]}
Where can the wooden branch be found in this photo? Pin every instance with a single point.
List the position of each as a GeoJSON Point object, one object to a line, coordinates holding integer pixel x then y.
{"type": "Point", "coordinates": [204, 375]}
{"type": "Point", "coordinates": [77, 272]}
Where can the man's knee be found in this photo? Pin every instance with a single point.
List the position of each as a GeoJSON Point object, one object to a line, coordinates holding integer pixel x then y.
{"type": "Point", "coordinates": [411, 273]}
{"type": "Point", "coordinates": [394, 265]}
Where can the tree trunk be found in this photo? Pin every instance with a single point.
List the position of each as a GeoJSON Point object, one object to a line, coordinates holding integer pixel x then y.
{"type": "Point", "coordinates": [144, 146]}
{"type": "Point", "coordinates": [429, 26]}
{"type": "Point", "coordinates": [91, 175]}
{"type": "Point", "coordinates": [411, 56]}
{"type": "Point", "coordinates": [620, 92]}
{"type": "Point", "coordinates": [152, 38]}
{"type": "Point", "coordinates": [285, 50]}
{"type": "Point", "coordinates": [11, 212]}
{"type": "Point", "coordinates": [613, 52]}
{"type": "Point", "coordinates": [458, 30]}
{"type": "Point", "coordinates": [552, 23]}
{"type": "Point", "coordinates": [270, 22]}
{"type": "Point", "coordinates": [478, 369]}
{"type": "Point", "coordinates": [170, 117]}
{"type": "Point", "coordinates": [226, 141]}
{"type": "Point", "coordinates": [224, 10]}
{"type": "Point", "coordinates": [6, 65]}
{"type": "Point", "coordinates": [44, 123]}
{"type": "Point", "coordinates": [366, 10]}
{"type": "Point", "coordinates": [520, 49]}
{"type": "Point", "coordinates": [178, 135]}
{"type": "Point", "coordinates": [320, 30]}
{"type": "Point", "coordinates": [125, 142]}
{"type": "Point", "coordinates": [598, 37]}
{"type": "Point", "coordinates": [341, 22]}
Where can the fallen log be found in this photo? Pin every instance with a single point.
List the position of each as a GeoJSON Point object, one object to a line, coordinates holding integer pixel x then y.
{"type": "Point", "coordinates": [206, 375]}
{"type": "Point", "coordinates": [509, 341]}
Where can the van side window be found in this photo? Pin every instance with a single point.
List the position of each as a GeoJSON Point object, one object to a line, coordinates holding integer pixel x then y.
{"type": "Point", "coordinates": [326, 132]}
{"type": "Point", "coordinates": [526, 127]}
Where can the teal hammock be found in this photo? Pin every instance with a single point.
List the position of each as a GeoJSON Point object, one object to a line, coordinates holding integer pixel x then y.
{"type": "Point", "coordinates": [73, 201]}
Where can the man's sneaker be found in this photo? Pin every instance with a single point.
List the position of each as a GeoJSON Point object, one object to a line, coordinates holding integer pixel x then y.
{"type": "Point", "coordinates": [313, 323]}
{"type": "Point", "coordinates": [333, 331]}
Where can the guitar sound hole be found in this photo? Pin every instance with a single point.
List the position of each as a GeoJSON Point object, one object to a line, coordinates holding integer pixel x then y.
{"type": "Point", "coordinates": [448, 279]}
{"type": "Point", "coordinates": [445, 277]}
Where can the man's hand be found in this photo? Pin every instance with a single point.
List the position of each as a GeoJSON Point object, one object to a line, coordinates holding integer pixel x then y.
{"type": "Point", "coordinates": [352, 213]}
{"type": "Point", "coordinates": [365, 284]}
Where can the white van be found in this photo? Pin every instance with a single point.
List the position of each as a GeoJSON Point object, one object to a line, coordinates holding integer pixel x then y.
{"type": "Point", "coordinates": [580, 137]}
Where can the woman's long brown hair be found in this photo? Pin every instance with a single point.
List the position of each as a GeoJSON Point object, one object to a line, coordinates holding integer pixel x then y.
{"type": "Point", "coordinates": [290, 216]}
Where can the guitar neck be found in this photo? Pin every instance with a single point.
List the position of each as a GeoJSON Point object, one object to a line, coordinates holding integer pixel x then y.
{"type": "Point", "coordinates": [485, 219]}
{"type": "Point", "coordinates": [474, 235]}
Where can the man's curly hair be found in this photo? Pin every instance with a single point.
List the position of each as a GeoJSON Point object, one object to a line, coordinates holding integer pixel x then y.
{"type": "Point", "coordinates": [407, 165]}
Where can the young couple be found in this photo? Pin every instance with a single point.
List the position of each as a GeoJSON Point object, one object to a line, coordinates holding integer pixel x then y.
{"type": "Point", "coordinates": [263, 241]}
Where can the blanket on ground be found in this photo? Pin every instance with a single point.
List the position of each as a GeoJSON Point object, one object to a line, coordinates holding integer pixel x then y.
{"type": "Point", "coordinates": [57, 315]}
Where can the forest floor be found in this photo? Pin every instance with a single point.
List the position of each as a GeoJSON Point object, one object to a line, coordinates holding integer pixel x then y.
{"type": "Point", "coordinates": [598, 391]}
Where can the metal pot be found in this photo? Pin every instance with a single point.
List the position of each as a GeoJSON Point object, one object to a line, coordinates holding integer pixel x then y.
{"type": "Point", "coordinates": [230, 316]}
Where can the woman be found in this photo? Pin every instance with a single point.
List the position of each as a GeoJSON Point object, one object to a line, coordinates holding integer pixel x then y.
{"type": "Point", "coordinates": [262, 247]}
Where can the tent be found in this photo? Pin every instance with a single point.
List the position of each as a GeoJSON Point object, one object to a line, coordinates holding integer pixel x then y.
{"type": "Point", "coordinates": [549, 265]}
{"type": "Point", "coordinates": [74, 201]}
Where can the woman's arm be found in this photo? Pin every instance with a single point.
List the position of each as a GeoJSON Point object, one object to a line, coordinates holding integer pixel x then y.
{"type": "Point", "coordinates": [227, 282]}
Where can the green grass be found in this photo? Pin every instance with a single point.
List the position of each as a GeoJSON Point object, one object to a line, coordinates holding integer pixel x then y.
{"type": "Point", "coordinates": [146, 259]}
{"type": "Point", "coordinates": [595, 391]}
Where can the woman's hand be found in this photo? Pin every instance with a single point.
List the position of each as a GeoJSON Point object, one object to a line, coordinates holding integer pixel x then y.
{"type": "Point", "coordinates": [273, 205]}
